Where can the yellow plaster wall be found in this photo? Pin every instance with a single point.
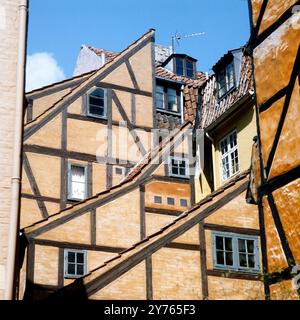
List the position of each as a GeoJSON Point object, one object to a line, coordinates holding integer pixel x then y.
{"type": "Point", "coordinates": [46, 265]}
{"type": "Point", "coordinates": [129, 286]}
{"type": "Point", "coordinates": [176, 274]}
{"type": "Point", "coordinates": [76, 230]}
{"type": "Point", "coordinates": [236, 213]}
{"type": "Point", "coordinates": [42, 104]}
{"type": "Point", "coordinates": [118, 222]}
{"type": "Point", "coordinates": [234, 289]}
{"type": "Point", "coordinates": [87, 137]}
{"type": "Point", "coordinates": [49, 135]}
{"type": "Point", "coordinates": [41, 165]}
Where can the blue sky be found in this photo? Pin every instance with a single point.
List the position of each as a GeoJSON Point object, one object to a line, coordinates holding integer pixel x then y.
{"type": "Point", "coordinates": [59, 27]}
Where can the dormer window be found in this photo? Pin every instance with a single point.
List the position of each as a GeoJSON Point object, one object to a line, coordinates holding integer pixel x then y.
{"type": "Point", "coordinates": [182, 65]}
{"type": "Point", "coordinates": [185, 67]}
{"type": "Point", "coordinates": [225, 79]}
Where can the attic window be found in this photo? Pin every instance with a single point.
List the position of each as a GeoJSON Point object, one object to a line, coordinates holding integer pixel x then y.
{"type": "Point", "coordinates": [96, 104]}
{"type": "Point", "coordinates": [225, 79]}
{"type": "Point", "coordinates": [185, 67]}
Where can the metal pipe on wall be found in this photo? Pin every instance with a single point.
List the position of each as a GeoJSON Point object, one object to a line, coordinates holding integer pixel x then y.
{"type": "Point", "coordinates": [16, 173]}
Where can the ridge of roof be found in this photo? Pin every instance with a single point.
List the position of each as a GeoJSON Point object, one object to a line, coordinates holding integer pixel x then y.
{"type": "Point", "coordinates": [88, 78]}
{"type": "Point", "coordinates": [144, 244]}
{"type": "Point", "coordinates": [134, 174]}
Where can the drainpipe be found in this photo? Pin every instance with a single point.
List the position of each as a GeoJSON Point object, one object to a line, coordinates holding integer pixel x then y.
{"type": "Point", "coordinates": [16, 171]}
{"type": "Point", "coordinates": [181, 104]}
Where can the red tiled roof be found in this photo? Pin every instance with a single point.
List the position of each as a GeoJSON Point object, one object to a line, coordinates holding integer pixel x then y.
{"type": "Point", "coordinates": [167, 74]}
{"type": "Point", "coordinates": [109, 55]}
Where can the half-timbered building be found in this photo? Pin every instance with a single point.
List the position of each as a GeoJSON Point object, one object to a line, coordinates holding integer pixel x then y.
{"type": "Point", "coordinates": [85, 199]}
{"type": "Point", "coordinates": [275, 47]}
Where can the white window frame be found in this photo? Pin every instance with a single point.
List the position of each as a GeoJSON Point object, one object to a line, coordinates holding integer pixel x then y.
{"type": "Point", "coordinates": [187, 171]}
{"type": "Point", "coordinates": [228, 154]}
{"type": "Point", "coordinates": [70, 196]}
{"type": "Point", "coordinates": [66, 262]}
{"type": "Point", "coordinates": [235, 252]}
{"type": "Point", "coordinates": [123, 169]}
{"type": "Point", "coordinates": [88, 104]}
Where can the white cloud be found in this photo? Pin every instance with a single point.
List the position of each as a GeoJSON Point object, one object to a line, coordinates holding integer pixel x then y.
{"type": "Point", "coordinates": [42, 69]}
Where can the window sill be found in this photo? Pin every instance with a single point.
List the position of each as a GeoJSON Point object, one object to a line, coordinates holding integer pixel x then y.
{"type": "Point", "coordinates": [178, 114]}
{"type": "Point", "coordinates": [229, 178]}
{"type": "Point", "coordinates": [228, 270]}
{"type": "Point", "coordinates": [179, 177]}
{"type": "Point", "coordinates": [96, 117]}
{"type": "Point", "coordinates": [73, 277]}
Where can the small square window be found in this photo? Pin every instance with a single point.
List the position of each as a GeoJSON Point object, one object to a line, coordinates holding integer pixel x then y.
{"type": "Point", "coordinates": [178, 167]}
{"type": "Point", "coordinates": [119, 171]}
{"type": "Point", "coordinates": [157, 199]}
{"type": "Point", "coordinates": [75, 263]}
{"type": "Point", "coordinates": [183, 203]}
{"type": "Point", "coordinates": [171, 201]}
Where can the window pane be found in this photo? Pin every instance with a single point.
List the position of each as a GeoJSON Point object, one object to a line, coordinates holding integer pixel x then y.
{"type": "Point", "coordinates": [230, 76]}
{"type": "Point", "coordinates": [179, 67]}
{"type": "Point", "coordinates": [242, 246]}
{"type": "Point", "coordinates": [233, 141]}
{"type": "Point", "coordinates": [175, 170]}
{"type": "Point", "coordinates": [224, 147]}
{"type": "Point", "coordinates": [97, 101]}
{"type": "Point", "coordinates": [77, 182]}
{"type": "Point", "coordinates": [71, 256]}
{"type": "Point", "coordinates": [80, 269]}
{"type": "Point", "coordinates": [219, 243]}
{"type": "Point", "coordinates": [98, 93]}
{"type": "Point", "coordinates": [250, 246]}
{"type": "Point", "coordinates": [80, 257]}
{"type": "Point", "coordinates": [220, 257]}
{"type": "Point", "coordinates": [251, 261]}
{"type": "Point", "coordinates": [228, 244]}
{"type": "Point", "coordinates": [157, 199]}
{"type": "Point", "coordinates": [229, 259]}
{"type": "Point", "coordinates": [225, 168]}
{"type": "Point", "coordinates": [98, 111]}
{"type": "Point", "coordinates": [77, 173]}
{"type": "Point", "coordinates": [190, 69]}
{"type": "Point", "coordinates": [182, 171]}
{"type": "Point", "coordinates": [182, 164]}
{"type": "Point", "coordinates": [171, 201]}
{"type": "Point", "coordinates": [71, 268]}
{"type": "Point", "coordinates": [183, 203]}
{"type": "Point", "coordinates": [172, 100]}
{"type": "Point", "coordinates": [243, 260]}
{"type": "Point", "coordinates": [160, 97]}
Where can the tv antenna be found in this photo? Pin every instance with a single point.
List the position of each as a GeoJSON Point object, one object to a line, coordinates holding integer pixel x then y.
{"type": "Point", "coordinates": [178, 37]}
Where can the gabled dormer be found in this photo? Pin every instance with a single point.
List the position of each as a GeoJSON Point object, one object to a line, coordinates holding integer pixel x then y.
{"type": "Point", "coordinates": [227, 71]}
{"type": "Point", "coordinates": [181, 65]}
